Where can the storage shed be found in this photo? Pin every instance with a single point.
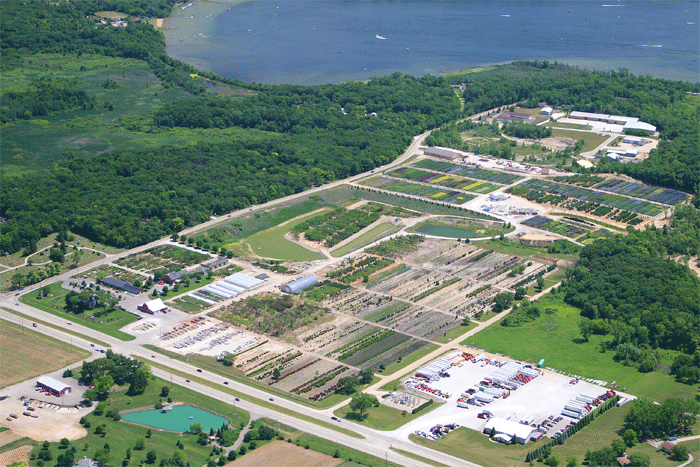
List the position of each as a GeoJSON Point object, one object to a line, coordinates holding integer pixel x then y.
{"type": "Point", "coordinates": [52, 385]}
{"type": "Point", "coordinates": [515, 430]}
{"type": "Point", "coordinates": [300, 284]}
{"type": "Point", "coordinates": [443, 153]}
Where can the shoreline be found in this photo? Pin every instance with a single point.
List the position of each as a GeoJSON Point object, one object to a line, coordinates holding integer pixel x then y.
{"type": "Point", "coordinates": [190, 34]}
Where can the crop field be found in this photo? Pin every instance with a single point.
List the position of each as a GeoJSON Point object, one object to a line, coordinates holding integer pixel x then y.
{"type": "Point", "coordinates": [423, 191]}
{"type": "Point", "coordinates": [19, 345]}
{"type": "Point", "coordinates": [640, 190]}
{"type": "Point", "coordinates": [471, 171]}
{"type": "Point", "coordinates": [333, 227]}
{"type": "Point", "coordinates": [388, 210]}
{"type": "Point", "coordinates": [439, 179]}
{"type": "Point", "coordinates": [170, 257]}
{"type": "Point", "coordinates": [561, 228]}
{"type": "Point", "coordinates": [399, 315]}
{"type": "Point", "coordinates": [559, 192]}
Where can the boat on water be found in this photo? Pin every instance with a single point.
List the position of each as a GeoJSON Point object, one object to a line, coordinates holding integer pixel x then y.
{"type": "Point", "coordinates": [505, 16]}
{"type": "Point", "coordinates": [380, 37]}
{"type": "Point", "coordinates": [190, 418]}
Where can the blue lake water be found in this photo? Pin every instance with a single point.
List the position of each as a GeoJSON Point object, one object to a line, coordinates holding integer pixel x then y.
{"type": "Point", "coordinates": [321, 41]}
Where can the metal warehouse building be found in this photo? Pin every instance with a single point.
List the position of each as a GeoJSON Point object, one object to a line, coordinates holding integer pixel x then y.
{"type": "Point", "coordinates": [300, 284]}
{"type": "Point", "coordinates": [511, 429]}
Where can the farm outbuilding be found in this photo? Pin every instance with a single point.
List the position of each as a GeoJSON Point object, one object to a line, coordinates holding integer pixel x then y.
{"type": "Point", "coordinates": [52, 385]}
{"type": "Point", "coordinates": [153, 307]}
{"type": "Point", "coordinates": [244, 281]}
{"type": "Point", "coordinates": [546, 111]}
{"type": "Point", "coordinates": [120, 285]}
{"type": "Point", "coordinates": [512, 429]}
{"type": "Point", "coordinates": [300, 284]}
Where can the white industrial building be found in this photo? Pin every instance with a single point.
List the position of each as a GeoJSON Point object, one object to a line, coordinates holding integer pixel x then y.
{"type": "Point", "coordinates": [628, 123]}
{"type": "Point", "coordinates": [546, 111]}
{"type": "Point", "coordinates": [500, 426]}
{"type": "Point", "coordinates": [443, 153]}
{"type": "Point", "coordinates": [636, 140]}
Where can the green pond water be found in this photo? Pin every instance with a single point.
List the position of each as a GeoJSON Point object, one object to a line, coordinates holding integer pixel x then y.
{"type": "Point", "coordinates": [445, 231]}
{"type": "Point", "coordinates": [177, 419]}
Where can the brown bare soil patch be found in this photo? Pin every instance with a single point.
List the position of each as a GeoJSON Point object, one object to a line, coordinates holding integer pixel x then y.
{"type": "Point", "coordinates": [20, 454]}
{"type": "Point", "coordinates": [282, 454]}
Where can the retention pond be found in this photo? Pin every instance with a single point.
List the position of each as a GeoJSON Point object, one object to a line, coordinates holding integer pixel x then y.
{"type": "Point", "coordinates": [178, 419]}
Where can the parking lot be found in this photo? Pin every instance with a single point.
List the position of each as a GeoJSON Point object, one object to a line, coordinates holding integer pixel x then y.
{"type": "Point", "coordinates": [542, 397]}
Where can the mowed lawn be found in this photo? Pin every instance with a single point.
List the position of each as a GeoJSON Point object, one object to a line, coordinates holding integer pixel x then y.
{"type": "Point", "coordinates": [556, 336]}
{"type": "Point", "coordinates": [272, 244]}
{"type": "Point", "coordinates": [20, 345]}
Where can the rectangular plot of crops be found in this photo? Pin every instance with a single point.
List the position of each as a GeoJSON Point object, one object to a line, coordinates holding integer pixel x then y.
{"type": "Point", "coordinates": [615, 201]}
{"type": "Point", "coordinates": [469, 171]}
{"type": "Point", "coordinates": [640, 190]}
{"type": "Point", "coordinates": [433, 193]}
{"type": "Point", "coordinates": [550, 225]}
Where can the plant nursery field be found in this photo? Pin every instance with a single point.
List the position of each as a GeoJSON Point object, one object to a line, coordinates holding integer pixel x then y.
{"type": "Point", "coordinates": [471, 171]}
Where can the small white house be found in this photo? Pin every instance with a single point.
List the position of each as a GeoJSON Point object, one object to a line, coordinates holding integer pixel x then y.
{"type": "Point", "coordinates": [636, 140]}
{"type": "Point", "coordinates": [546, 111]}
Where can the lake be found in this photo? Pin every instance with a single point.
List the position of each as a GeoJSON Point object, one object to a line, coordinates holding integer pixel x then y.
{"type": "Point", "coordinates": [178, 419]}
{"type": "Point", "coordinates": [324, 41]}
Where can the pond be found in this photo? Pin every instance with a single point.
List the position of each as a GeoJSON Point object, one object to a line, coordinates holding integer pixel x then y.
{"type": "Point", "coordinates": [442, 230]}
{"type": "Point", "coordinates": [178, 419]}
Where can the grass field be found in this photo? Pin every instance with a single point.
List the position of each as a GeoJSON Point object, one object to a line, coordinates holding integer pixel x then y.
{"type": "Point", "coordinates": [56, 301]}
{"type": "Point", "coordinates": [573, 126]}
{"type": "Point", "coordinates": [375, 233]}
{"type": "Point", "coordinates": [555, 337]}
{"type": "Point", "coordinates": [600, 433]}
{"type": "Point", "coordinates": [509, 247]}
{"type": "Point", "coordinates": [272, 244]}
{"type": "Point", "coordinates": [591, 140]}
{"type": "Point", "coordinates": [479, 448]}
{"type": "Point", "coordinates": [384, 418]}
{"type": "Point", "coordinates": [19, 345]}
{"type": "Point", "coordinates": [122, 436]}
{"type": "Point", "coordinates": [454, 333]}
{"type": "Point", "coordinates": [53, 326]}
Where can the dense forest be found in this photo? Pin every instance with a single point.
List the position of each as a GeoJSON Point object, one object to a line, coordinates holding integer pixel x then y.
{"type": "Point", "coordinates": [289, 137]}
{"type": "Point", "coordinates": [627, 288]}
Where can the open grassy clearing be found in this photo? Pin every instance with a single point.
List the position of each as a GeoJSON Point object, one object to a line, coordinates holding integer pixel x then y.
{"type": "Point", "coordinates": [509, 247]}
{"type": "Point", "coordinates": [55, 304]}
{"type": "Point", "coordinates": [419, 458]}
{"type": "Point", "coordinates": [53, 326]}
{"type": "Point", "coordinates": [454, 333]}
{"type": "Point", "coordinates": [408, 359]}
{"type": "Point", "coordinates": [19, 345]}
{"type": "Point", "coordinates": [600, 433]}
{"type": "Point", "coordinates": [555, 337]}
{"type": "Point", "coordinates": [384, 418]}
{"type": "Point", "coordinates": [572, 126]}
{"type": "Point", "coordinates": [122, 436]}
{"type": "Point", "coordinates": [272, 244]}
{"type": "Point", "coordinates": [255, 400]}
{"type": "Point", "coordinates": [591, 140]}
{"type": "Point", "coordinates": [373, 234]}
{"type": "Point", "coordinates": [479, 448]}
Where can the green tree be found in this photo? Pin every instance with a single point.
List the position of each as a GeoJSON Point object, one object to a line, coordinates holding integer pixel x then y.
{"type": "Point", "coordinates": [552, 461]}
{"type": "Point", "coordinates": [630, 438]}
{"type": "Point", "coordinates": [139, 381]}
{"type": "Point", "coordinates": [572, 461]}
{"type": "Point", "coordinates": [102, 457]}
{"type": "Point", "coordinates": [679, 453]}
{"type": "Point", "coordinates": [520, 293]}
{"type": "Point", "coordinates": [140, 444]}
{"type": "Point", "coordinates": [196, 428]}
{"type": "Point", "coordinates": [362, 402]}
{"type": "Point", "coordinates": [102, 385]}
{"type": "Point", "coordinates": [347, 384]}
{"type": "Point", "coordinates": [151, 457]}
{"type": "Point", "coordinates": [639, 459]}
{"type": "Point", "coordinates": [366, 376]}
